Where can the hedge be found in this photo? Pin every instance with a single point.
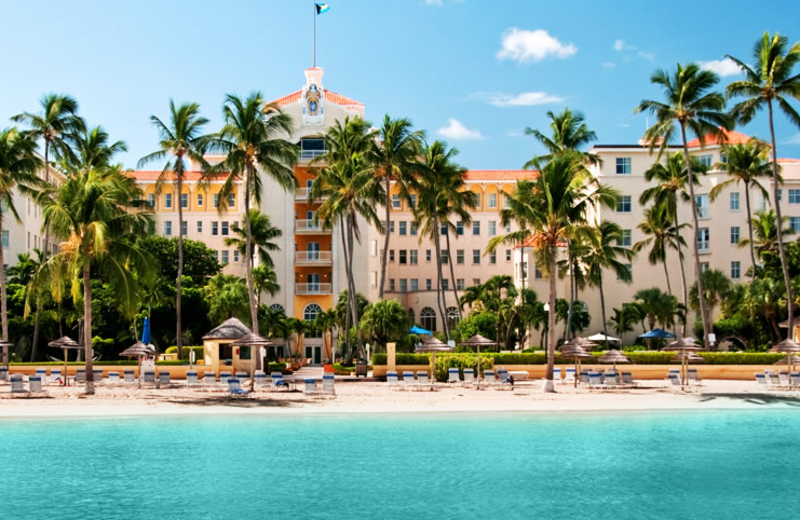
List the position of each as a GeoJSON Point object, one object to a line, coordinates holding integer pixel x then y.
{"type": "Point", "coordinates": [198, 351]}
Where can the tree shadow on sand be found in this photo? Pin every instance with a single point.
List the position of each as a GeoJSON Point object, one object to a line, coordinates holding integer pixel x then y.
{"type": "Point", "coordinates": [759, 399]}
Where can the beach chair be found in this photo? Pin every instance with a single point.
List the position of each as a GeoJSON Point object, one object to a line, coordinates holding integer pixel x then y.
{"type": "Point", "coordinates": [18, 385]}
{"type": "Point", "coordinates": [773, 379]}
{"type": "Point", "coordinates": [469, 377]}
{"type": "Point", "coordinates": [209, 379]}
{"type": "Point", "coordinates": [279, 383]}
{"type": "Point", "coordinates": [129, 377]}
{"type": "Point", "coordinates": [242, 376]}
{"type": "Point", "coordinates": [55, 377]}
{"type": "Point", "coordinates": [784, 378]}
{"type": "Point", "coordinates": [310, 387]}
{"type": "Point", "coordinates": [192, 379]}
{"type": "Point", "coordinates": [584, 378]}
{"type": "Point", "coordinates": [80, 375]}
{"type": "Point", "coordinates": [557, 375]}
{"type": "Point", "coordinates": [328, 385]}
{"type": "Point", "coordinates": [504, 381]}
{"type": "Point", "coordinates": [97, 375]}
{"type": "Point", "coordinates": [163, 379]}
{"type": "Point", "coordinates": [672, 372]}
{"type": "Point", "coordinates": [409, 382]}
{"type": "Point", "coordinates": [611, 379]}
{"type": "Point", "coordinates": [627, 379]}
{"type": "Point", "coordinates": [3, 374]}
{"type": "Point", "coordinates": [694, 377]}
{"type": "Point", "coordinates": [113, 378]}
{"type": "Point", "coordinates": [35, 385]}
{"type": "Point", "coordinates": [235, 388]}
{"type": "Point", "coordinates": [42, 373]}
{"type": "Point", "coordinates": [489, 378]}
{"type": "Point", "coordinates": [761, 379]}
{"type": "Point", "coordinates": [795, 378]}
{"type": "Point", "coordinates": [423, 383]}
{"type": "Point", "coordinates": [595, 381]}
{"type": "Point", "coordinates": [149, 377]}
{"type": "Point", "coordinates": [224, 375]}
{"type": "Point", "coordinates": [674, 381]}
{"type": "Point", "coordinates": [260, 379]}
{"type": "Point", "coordinates": [570, 376]}
{"type": "Point", "coordinates": [392, 380]}
{"type": "Point", "coordinates": [453, 376]}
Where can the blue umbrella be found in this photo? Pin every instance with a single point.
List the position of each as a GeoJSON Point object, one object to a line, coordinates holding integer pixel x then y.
{"type": "Point", "coordinates": [146, 332]}
{"type": "Point", "coordinates": [657, 334]}
{"type": "Point", "coordinates": [419, 330]}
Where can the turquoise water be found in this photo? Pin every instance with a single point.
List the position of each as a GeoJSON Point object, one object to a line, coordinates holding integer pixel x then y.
{"type": "Point", "coordinates": [502, 466]}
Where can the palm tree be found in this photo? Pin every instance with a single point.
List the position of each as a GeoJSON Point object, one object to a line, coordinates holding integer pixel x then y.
{"type": "Point", "coordinates": [263, 233]}
{"type": "Point", "coordinates": [386, 320]}
{"type": "Point", "coordinates": [620, 321]}
{"type": "Point", "coordinates": [18, 166]}
{"type": "Point", "coordinates": [180, 140]}
{"type": "Point", "coordinates": [746, 163]}
{"type": "Point", "coordinates": [227, 297]}
{"type": "Point", "coordinates": [604, 251]}
{"type": "Point", "coordinates": [762, 298]}
{"type": "Point", "coordinates": [690, 105]}
{"type": "Point", "coordinates": [395, 153]}
{"type": "Point", "coordinates": [352, 190]}
{"type": "Point", "coordinates": [717, 286]}
{"type": "Point", "coordinates": [253, 138]}
{"type": "Point", "coordinates": [266, 281]}
{"type": "Point", "coordinates": [97, 216]}
{"type": "Point", "coordinates": [93, 149]}
{"type": "Point", "coordinates": [23, 273]}
{"type": "Point", "coordinates": [765, 229]}
{"type": "Point", "coordinates": [658, 226]}
{"type": "Point", "coordinates": [771, 80]}
{"type": "Point", "coordinates": [657, 306]}
{"type": "Point", "coordinates": [570, 133]}
{"type": "Point", "coordinates": [325, 322]}
{"type": "Point", "coordinates": [547, 210]}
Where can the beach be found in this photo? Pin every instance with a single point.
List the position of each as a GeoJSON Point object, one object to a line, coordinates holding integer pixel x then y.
{"type": "Point", "coordinates": [367, 397]}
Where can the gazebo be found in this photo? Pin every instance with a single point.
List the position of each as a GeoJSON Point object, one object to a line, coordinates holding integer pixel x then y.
{"type": "Point", "coordinates": [431, 346]}
{"type": "Point", "coordinates": [65, 343]}
{"type": "Point", "coordinates": [479, 341]}
{"type": "Point", "coordinates": [218, 346]}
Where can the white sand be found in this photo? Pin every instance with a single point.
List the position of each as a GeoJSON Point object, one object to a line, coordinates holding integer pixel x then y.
{"type": "Point", "coordinates": [369, 397]}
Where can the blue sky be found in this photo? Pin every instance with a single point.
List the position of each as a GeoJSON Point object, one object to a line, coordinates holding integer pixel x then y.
{"type": "Point", "coordinates": [472, 72]}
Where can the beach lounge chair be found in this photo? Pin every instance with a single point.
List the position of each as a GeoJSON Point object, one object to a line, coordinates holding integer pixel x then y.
{"type": "Point", "coordinates": [469, 377]}
{"type": "Point", "coordinates": [35, 385]}
{"type": "Point", "coordinates": [80, 375]}
{"type": "Point", "coordinates": [694, 377]}
{"type": "Point", "coordinates": [627, 378]}
{"type": "Point", "coordinates": [42, 373]}
{"type": "Point", "coordinates": [163, 379]}
{"type": "Point", "coordinates": [595, 381]}
{"type": "Point", "coordinates": [149, 377]}
{"type": "Point", "coordinates": [3, 374]}
{"type": "Point", "coordinates": [674, 381]}
{"type": "Point", "coordinates": [209, 379]}
{"type": "Point", "coordinates": [55, 377]}
{"type": "Point", "coordinates": [557, 375]}
{"type": "Point", "coordinates": [310, 387]}
{"type": "Point", "coordinates": [612, 379]}
{"type": "Point", "coordinates": [278, 382]}
{"type": "Point", "coordinates": [129, 377]}
{"type": "Point", "coordinates": [97, 374]}
{"type": "Point", "coordinates": [784, 378]}
{"type": "Point", "coordinates": [235, 388]}
{"type": "Point", "coordinates": [409, 382]}
{"type": "Point", "coordinates": [328, 385]}
{"type": "Point", "coordinates": [113, 378]}
{"type": "Point", "coordinates": [761, 379]}
{"type": "Point", "coordinates": [392, 380]}
{"type": "Point", "coordinates": [423, 383]}
{"type": "Point", "coordinates": [260, 379]}
{"type": "Point", "coordinates": [18, 384]}
{"type": "Point", "coordinates": [242, 375]}
{"type": "Point", "coordinates": [570, 376]}
{"type": "Point", "coordinates": [584, 378]}
{"type": "Point", "coordinates": [773, 379]}
{"type": "Point", "coordinates": [795, 377]}
{"type": "Point", "coordinates": [192, 379]}
{"type": "Point", "coordinates": [489, 377]}
{"type": "Point", "coordinates": [453, 376]}
{"type": "Point", "coordinates": [224, 375]}
{"type": "Point", "coordinates": [504, 381]}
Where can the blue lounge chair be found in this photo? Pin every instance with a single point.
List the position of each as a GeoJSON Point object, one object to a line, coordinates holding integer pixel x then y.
{"type": "Point", "coordinates": [191, 378]}
{"type": "Point", "coordinates": [3, 374]}
{"type": "Point", "coordinates": [235, 388]}
{"type": "Point", "coordinates": [327, 384]}
{"type": "Point", "coordinates": [453, 376]}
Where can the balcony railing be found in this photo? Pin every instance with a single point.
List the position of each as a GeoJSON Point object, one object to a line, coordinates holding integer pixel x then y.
{"type": "Point", "coordinates": [313, 256]}
{"type": "Point", "coordinates": [307, 155]}
{"type": "Point", "coordinates": [313, 288]}
{"type": "Point", "coordinates": [309, 226]}
{"type": "Point", "coordinates": [303, 194]}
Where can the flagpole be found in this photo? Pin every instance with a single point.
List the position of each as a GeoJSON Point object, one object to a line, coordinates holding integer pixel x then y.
{"type": "Point", "coordinates": [314, 5]}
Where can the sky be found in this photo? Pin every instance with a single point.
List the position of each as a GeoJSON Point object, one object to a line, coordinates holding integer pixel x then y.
{"type": "Point", "coordinates": [474, 73]}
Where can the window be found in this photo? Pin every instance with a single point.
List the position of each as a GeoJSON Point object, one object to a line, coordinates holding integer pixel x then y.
{"type": "Point", "coordinates": [403, 285]}
{"type": "Point", "coordinates": [492, 228]}
{"type": "Point", "coordinates": [706, 160]}
{"type": "Point", "coordinates": [445, 256]}
{"type": "Point", "coordinates": [413, 201]}
{"type": "Point", "coordinates": [703, 240]}
{"type": "Point", "coordinates": [151, 200]}
{"type": "Point", "coordinates": [460, 256]}
{"type": "Point", "coordinates": [414, 284]}
{"type": "Point", "coordinates": [391, 255]}
{"type": "Point", "coordinates": [428, 284]}
{"type": "Point", "coordinates": [476, 281]}
{"type": "Point", "coordinates": [445, 284]}
{"type": "Point", "coordinates": [412, 257]}
{"type": "Point", "coordinates": [215, 228]}
{"type": "Point", "coordinates": [703, 267]}
{"type": "Point", "coordinates": [625, 238]}
{"type": "Point", "coordinates": [225, 229]}
{"type": "Point", "coordinates": [311, 311]}
{"type": "Point", "coordinates": [184, 228]}
{"type": "Point", "coordinates": [427, 255]}
{"type": "Point", "coordinates": [168, 200]}
{"type": "Point", "coordinates": [623, 165]}
{"type": "Point", "coordinates": [736, 270]}
{"type": "Point", "coordinates": [794, 223]}
{"type": "Point", "coordinates": [508, 255]}
{"type": "Point", "coordinates": [395, 201]}
{"type": "Point", "coordinates": [780, 195]}
{"type": "Point", "coordinates": [477, 198]}
{"type": "Point", "coordinates": [277, 307]}
{"type": "Point", "coordinates": [459, 228]}
{"type": "Point", "coordinates": [493, 257]}
{"type": "Point", "coordinates": [702, 205]}
{"type": "Point", "coordinates": [216, 200]}
{"type": "Point", "coordinates": [735, 235]}
{"type": "Point", "coordinates": [199, 227]}
{"type": "Point", "coordinates": [232, 200]}
{"type": "Point", "coordinates": [452, 317]}
{"type": "Point", "coordinates": [427, 318]}
{"type": "Point", "coordinates": [199, 199]}
{"type": "Point", "coordinates": [629, 267]}
{"type": "Point", "coordinates": [373, 278]}
{"type": "Point", "coordinates": [184, 200]}
{"type": "Point", "coordinates": [235, 255]}
{"type": "Point", "coordinates": [476, 256]}
{"type": "Point", "coordinates": [391, 226]}
{"type": "Point", "coordinates": [225, 257]}
{"type": "Point", "coordinates": [492, 200]}
{"type": "Point", "coordinates": [5, 238]}
{"type": "Point", "coordinates": [624, 204]}
{"type": "Point", "coordinates": [444, 229]}
{"type": "Point", "coordinates": [413, 228]}
{"type": "Point", "coordinates": [460, 284]}
{"type": "Point", "coordinates": [537, 273]}
{"type": "Point", "coordinates": [794, 196]}
{"type": "Point", "coordinates": [168, 227]}
{"type": "Point", "coordinates": [403, 227]}
{"type": "Point", "coordinates": [476, 228]}
{"type": "Point", "coordinates": [506, 201]}
{"type": "Point", "coordinates": [391, 284]}
{"type": "Point", "coordinates": [735, 200]}
{"type": "Point", "coordinates": [403, 256]}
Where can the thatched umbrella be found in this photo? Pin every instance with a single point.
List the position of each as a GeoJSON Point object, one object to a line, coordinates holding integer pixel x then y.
{"type": "Point", "coordinates": [479, 341]}
{"type": "Point", "coordinates": [251, 339]}
{"type": "Point", "coordinates": [614, 356]}
{"type": "Point", "coordinates": [572, 350]}
{"type": "Point", "coordinates": [787, 346]}
{"type": "Point", "coordinates": [431, 346]}
{"type": "Point", "coordinates": [138, 350]}
{"type": "Point", "coordinates": [65, 343]}
{"type": "Point", "coordinates": [794, 359]}
{"type": "Point", "coordinates": [683, 347]}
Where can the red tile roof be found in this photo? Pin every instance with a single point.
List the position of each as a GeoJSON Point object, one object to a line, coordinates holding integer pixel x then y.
{"type": "Point", "coordinates": [333, 97]}
{"type": "Point", "coordinates": [731, 137]}
{"type": "Point", "coordinates": [788, 161]}
{"type": "Point", "coordinates": [500, 175]}
{"type": "Point", "coordinates": [152, 175]}
{"type": "Point", "coordinates": [288, 100]}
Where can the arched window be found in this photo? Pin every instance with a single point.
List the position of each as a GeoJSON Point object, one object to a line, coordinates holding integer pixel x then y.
{"type": "Point", "coordinates": [277, 307]}
{"type": "Point", "coordinates": [311, 311]}
{"type": "Point", "coordinates": [452, 317]}
{"type": "Point", "coordinates": [411, 316]}
{"type": "Point", "coordinates": [427, 318]}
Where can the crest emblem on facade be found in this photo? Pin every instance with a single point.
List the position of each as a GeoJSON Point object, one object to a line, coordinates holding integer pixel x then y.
{"type": "Point", "coordinates": [312, 109]}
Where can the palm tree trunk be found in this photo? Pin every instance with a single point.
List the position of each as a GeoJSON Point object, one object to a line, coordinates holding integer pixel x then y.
{"type": "Point", "coordinates": [87, 328]}
{"type": "Point", "coordinates": [248, 249]}
{"type": "Point", "coordinates": [347, 275]}
{"type": "Point", "coordinates": [453, 274]}
{"type": "Point", "coordinates": [680, 263]}
{"type": "Point", "coordinates": [750, 224]}
{"type": "Point", "coordinates": [548, 385]}
{"type": "Point", "coordinates": [352, 293]}
{"type": "Point", "coordinates": [568, 330]}
{"type": "Point", "coordinates": [384, 255]}
{"type": "Point", "coordinates": [179, 280]}
{"type": "Point", "coordinates": [3, 303]}
{"type": "Point", "coordinates": [47, 180]}
{"type": "Point", "coordinates": [440, 298]}
{"type": "Point", "coordinates": [698, 270]}
{"type": "Point", "coordinates": [603, 305]}
{"type": "Point", "coordinates": [666, 274]}
{"type": "Point", "coordinates": [36, 321]}
{"type": "Point", "coordinates": [779, 218]}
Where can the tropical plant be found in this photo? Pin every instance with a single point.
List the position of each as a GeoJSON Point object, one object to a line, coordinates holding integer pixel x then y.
{"type": "Point", "coordinates": [747, 164]}
{"type": "Point", "coordinates": [658, 226]}
{"type": "Point", "coordinates": [769, 80]}
{"type": "Point", "coordinates": [227, 298]}
{"type": "Point", "coordinates": [394, 153]}
{"type": "Point", "coordinates": [263, 233]}
{"type": "Point", "coordinates": [716, 285]}
{"type": "Point", "coordinates": [180, 141]}
{"type": "Point", "coordinates": [92, 149]}
{"type": "Point", "coordinates": [385, 320]}
{"type": "Point", "coordinates": [266, 281]}
{"type": "Point", "coordinates": [690, 105]}
{"type": "Point", "coordinates": [570, 133]}
{"type": "Point", "coordinates": [765, 231]}
{"type": "Point", "coordinates": [763, 297]}
{"type": "Point", "coordinates": [656, 306]}
{"type": "Point", "coordinates": [253, 138]}
{"type": "Point", "coordinates": [18, 166]}
{"type": "Point", "coordinates": [23, 273]}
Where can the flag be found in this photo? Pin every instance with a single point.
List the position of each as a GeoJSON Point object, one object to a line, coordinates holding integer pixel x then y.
{"type": "Point", "coordinates": [322, 8]}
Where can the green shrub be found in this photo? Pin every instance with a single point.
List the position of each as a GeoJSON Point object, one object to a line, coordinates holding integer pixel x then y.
{"type": "Point", "coordinates": [118, 362]}
{"type": "Point", "coordinates": [444, 362]}
{"type": "Point", "coordinates": [198, 351]}
{"type": "Point", "coordinates": [342, 370]}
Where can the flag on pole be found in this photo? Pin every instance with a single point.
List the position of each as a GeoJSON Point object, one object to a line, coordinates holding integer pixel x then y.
{"type": "Point", "coordinates": [322, 8]}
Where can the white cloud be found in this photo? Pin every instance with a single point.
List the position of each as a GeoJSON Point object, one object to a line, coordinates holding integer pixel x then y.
{"type": "Point", "coordinates": [795, 139]}
{"type": "Point", "coordinates": [726, 67]}
{"type": "Point", "coordinates": [619, 45]}
{"type": "Point", "coordinates": [456, 130]}
{"type": "Point", "coordinates": [514, 133]}
{"type": "Point", "coordinates": [608, 65]}
{"type": "Point", "coordinates": [646, 56]}
{"type": "Point", "coordinates": [525, 46]}
{"type": "Point", "coordinates": [523, 99]}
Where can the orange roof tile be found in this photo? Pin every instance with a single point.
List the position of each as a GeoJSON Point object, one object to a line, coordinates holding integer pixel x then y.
{"type": "Point", "coordinates": [288, 100]}
{"type": "Point", "coordinates": [333, 97]}
{"type": "Point", "coordinates": [152, 175]}
{"type": "Point", "coordinates": [500, 175]}
{"type": "Point", "coordinates": [731, 137]}
{"type": "Point", "coordinates": [788, 161]}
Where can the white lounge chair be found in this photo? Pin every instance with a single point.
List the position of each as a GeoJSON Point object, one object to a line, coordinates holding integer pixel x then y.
{"type": "Point", "coordinates": [80, 375]}
{"type": "Point", "coordinates": [328, 385]}
{"type": "Point", "coordinates": [241, 376]}
{"type": "Point", "coordinates": [795, 378]}
{"type": "Point", "coordinates": [209, 379]}
{"type": "Point", "coordinates": [97, 375]}
{"type": "Point", "coordinates": [612, 379]}
{"type": "Point", "coordinates": [627, 378]}
{"type": "Point", "coordinates": [469, 377]}
{"type": "Point", "coordinates": [557, 375]}
{"type": "Point", "coordinates": [423, 382]}
{"type": "Point", "coordinates": [595, 381]}
{"type": "Point", "coordinates": [409, 382]}
{"type": "Point", "coordinates": [694, 377]}
{"type": "Point", "coordinates": [235, 388]}
{"type": "Point", "coordinates": [35, 385]}
{"type": "Point", "coordinates": [773, 380]}
{"type": "Point", "coordinates": [149, 377]}
{"type": "Point", "coordinates": [279, 383]}
{"type": "Point", "coordinates": [163, 379]}
{"type": "Point", "coordinates": [784, 377]}
{"type": "Point", "coordinates": [761, 379]}
{"type": "Point", "coordinates": [55, 377]}
{"type": "Point", "coordinates": [310, 387]}
{"type": "Point", "coordinates": [392, 380]}
{"type": "Point", "coordinates": [113, 378]}
{"type": "Point", "coordinates": [192, 379]}
{"type": "Point", "coordinates": [453, 376]}
{"type": "Point", "coordinates": [674, 381]}
{"type": "Point", "coordinates": [489, 377]}
{"type": "Point", "coordinates": [260, 379]}
{"type": "Point", "coordinates": [42, 373]}
{"type": "Point", "coordinates": [3, 374]}
{"type": "Point", "coordinates": [129, 377]}
{"type": "Point", "coordinates": [18, 384]}
{"type": "Point", "coordinates": [570, 376]}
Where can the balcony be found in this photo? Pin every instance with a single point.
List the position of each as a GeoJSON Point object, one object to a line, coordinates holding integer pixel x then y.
{"type": "Point", "coordinates": [313, 288]}
{"type": "Point", "coordinates": [307, 155]}
{"type": "Point", "coordinates": [309, 227]}
{"type": "Point", "coordinates": [313, 257]}
{"type": "Point", "coordinates": [303, 194]}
